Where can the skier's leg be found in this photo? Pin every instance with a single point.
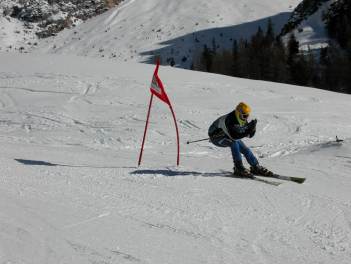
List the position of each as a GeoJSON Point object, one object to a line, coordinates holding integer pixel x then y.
{"type": "Point", "coordinates": [239, 169]}
{"type": "Point", "coordinates": [250, 157]}
{"type": "Point", "coordinates": [256, 168]}
{"type": "Point", "coordinates": [236, 154]}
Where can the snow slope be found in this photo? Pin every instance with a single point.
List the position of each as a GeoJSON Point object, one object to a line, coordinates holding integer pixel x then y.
{"type": "Point", "coordinates": [23, 22]}
{"type": "Point", "coordinates": [137, 29]}
{"type": "Point", "coordinates": [311, 32]}
{"type": "Point", "coordinates": [14, 36]}
{"type": "Point", "coordinates": [70, 131]}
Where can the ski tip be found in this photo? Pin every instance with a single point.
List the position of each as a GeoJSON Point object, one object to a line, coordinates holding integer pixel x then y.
{"type": "Point", "coordinates": [300, 180]}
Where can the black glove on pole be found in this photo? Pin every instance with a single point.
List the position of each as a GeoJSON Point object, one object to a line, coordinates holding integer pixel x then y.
{"type": "Point", "coordinates": [252, 128]}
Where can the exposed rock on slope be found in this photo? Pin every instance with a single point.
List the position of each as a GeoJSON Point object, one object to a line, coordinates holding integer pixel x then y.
{"type": "Point", "coordinates": [28, 20]}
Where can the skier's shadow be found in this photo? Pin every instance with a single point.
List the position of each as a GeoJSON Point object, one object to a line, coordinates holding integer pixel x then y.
{"type": "Point", "coordinates": [50, 164]}
{"type": "Point", "coordinates": [174, 173]}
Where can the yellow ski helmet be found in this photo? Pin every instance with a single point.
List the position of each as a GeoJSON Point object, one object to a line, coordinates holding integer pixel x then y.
{"type": "Point", "coordinates": [242, 111]}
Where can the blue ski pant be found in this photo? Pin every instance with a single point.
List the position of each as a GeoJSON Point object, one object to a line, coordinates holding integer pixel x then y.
{"type": "Point", "coordinates": [238, 147]}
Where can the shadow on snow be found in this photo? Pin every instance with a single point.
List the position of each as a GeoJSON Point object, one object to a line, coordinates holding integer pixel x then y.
{"type": "Point", "coordinates": [172, 173]}
{"type": "Point", "coordinates": [181, 50]}
{"type": "Point", "coordinates": [49, 164]}
{"type": "Point", "coordinates": [163, 172]}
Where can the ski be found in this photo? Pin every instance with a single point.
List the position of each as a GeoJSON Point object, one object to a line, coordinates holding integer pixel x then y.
{"type": "Point", "coordinates": [288, 178]}
{"type": "Point", "coordinates": [264, 181]}
{"type": "Point", "coordinates": [275, 176]}
{"type": "Point", "coordinates": [285, 178]}
{"type": "Point", "coordinates": [254, 178]}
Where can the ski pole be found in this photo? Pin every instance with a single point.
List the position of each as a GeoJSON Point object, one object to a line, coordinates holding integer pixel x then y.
{"type": "Point", "coordinates": [189, 142]}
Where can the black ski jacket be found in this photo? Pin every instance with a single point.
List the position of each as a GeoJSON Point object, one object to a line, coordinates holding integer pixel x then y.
{"type": "Point", "coordinates": [228, 127]}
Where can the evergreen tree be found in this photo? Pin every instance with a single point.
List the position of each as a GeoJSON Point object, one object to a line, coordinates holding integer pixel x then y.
{"type": "Point", "coordinates": [235, 59]}
{"type": "Point", "coordinates": [314, 69]}
{"type": "Point", "coordinates": [266, 57]}
{"type": "Point", "coordinates": [338, 22]}
{"type": "Point", "coordinates": [214, 46]}
{"type": "Point", "coordinates": [256, 55]}
{"type": "Point", "coordinates": [293, 60]}
{"type": "Point", "coordinates": [207, 58]}
{"type": "Point", "coordinates": [269, 37]}
{"type": "Point", "coordinates": [293, 48]}
{"type": "Point", "coordinates": [222, 63]}
{"type": "Point", "coordinates": [243, 59]}
{"type": "Point", "coordinates": [279, 62]}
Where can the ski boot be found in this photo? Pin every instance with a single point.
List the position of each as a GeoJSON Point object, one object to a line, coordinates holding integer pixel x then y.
{"type": "Point", "coordinates": [261, 171]}
{"type": "Point", "coordinates": [241, 171]}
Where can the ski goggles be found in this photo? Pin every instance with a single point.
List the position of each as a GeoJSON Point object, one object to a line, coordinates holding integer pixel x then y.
{"type": "Point", "coordinates": [244, 116]}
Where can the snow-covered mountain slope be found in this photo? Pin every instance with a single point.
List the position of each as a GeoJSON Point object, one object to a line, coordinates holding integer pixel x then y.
{"type": "Point", "coordinates": [308, 25]}
{"type": "Point", "coordinates": [70, 131]}
{"type": "Point", "coordinates": [175, 30]}
{"type": "Point", "coordinates": [14, 36]}
{"type": "Point", "coordinates": [23, 22]}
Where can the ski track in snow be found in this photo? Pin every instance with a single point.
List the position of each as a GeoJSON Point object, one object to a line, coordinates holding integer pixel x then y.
{"type": "Point", "coordinates": [78, 197]}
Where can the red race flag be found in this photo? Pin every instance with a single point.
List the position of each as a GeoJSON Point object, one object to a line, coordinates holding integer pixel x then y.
{"type": "Point", "coordinates": [157, 86]}
{"type": "Point", "coordinates": [158, 90]}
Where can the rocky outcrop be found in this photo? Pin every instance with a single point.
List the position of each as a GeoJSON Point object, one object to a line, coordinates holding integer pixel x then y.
{"type": "Point", "coordinates": [52, 16]}
{"type": "Point", "coordinates": [305, 9]}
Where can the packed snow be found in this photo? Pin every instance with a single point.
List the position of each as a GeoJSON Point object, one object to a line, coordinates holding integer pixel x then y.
{"type": "Point", "coordinates": [70, 133]}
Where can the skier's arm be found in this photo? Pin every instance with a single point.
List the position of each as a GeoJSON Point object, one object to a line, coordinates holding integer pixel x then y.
{"type": "Point", "coordinates": [252, 128]}
{"type": "Point", "coordinates": [237, 132]}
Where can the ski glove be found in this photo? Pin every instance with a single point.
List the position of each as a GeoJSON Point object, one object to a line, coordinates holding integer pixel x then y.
{"type": "Point", "coordinates": [252, 133]}
{"type": "Point", "coordinates": [252, 128]}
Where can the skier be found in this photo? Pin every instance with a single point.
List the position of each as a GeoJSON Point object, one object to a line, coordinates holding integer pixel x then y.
{"type": "Point", "coordinates": [228, 130]}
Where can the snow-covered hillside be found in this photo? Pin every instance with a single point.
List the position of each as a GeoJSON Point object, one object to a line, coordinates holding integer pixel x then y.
{"type": "Point", "coordinates": [176, 30]}
{"type": "Point", "coordinates": [70, 131]}
{"type": "Point", "coordinates": [14, 35]}
{"type": "Point", "coordinates": [308, 25]}
{"type": "Point", "coordinates": [23, 22]}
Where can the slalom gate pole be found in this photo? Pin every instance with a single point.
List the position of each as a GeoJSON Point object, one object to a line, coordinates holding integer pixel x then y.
{"type": "Point", "coordinates": [177, 132]}
{"type": "Point", "coordinates": [146, 124]}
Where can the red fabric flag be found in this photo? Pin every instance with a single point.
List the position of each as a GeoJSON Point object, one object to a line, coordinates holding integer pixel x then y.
{"type": "Point", "coordinates": [157, 89]}
{"type": "Point", "coordinates": [157, 86]}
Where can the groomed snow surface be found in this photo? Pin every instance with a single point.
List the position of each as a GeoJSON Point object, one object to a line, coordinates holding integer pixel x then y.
{"type": "Point", "coordinates": [70, 132]}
